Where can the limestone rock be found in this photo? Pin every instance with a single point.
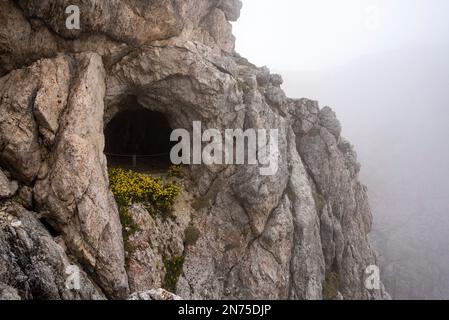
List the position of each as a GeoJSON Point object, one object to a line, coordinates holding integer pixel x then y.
{"type": "Point", "coordinates": [32, 264]}
{"type": "Point", "coordinates": [22, 41]}
{"type": "Point", "coordinates": [276, 237]}
{"type": "Point", "coordinates": [8, 293]}
{"type": "Point", "coordinates": [231, 8]}
{"type": "Point", "coordinates": [7, 188]}
{"type": "Point", "coordinates": [72, 188]}
{"type": "Point", "coordinates": [19, 138]}
{"type": "Point", "coordinates": [305, 115]}
{"type": "Point", "coordinates": [158, 240]}
{"type": "Point", "coordinates": [51, 99]}
{"type": "Point", "coordinates": [219, 30]}
{"type": "Point", "coordinates": [328, 120]}
{"type": "Point", "coordinates": [154, 294]}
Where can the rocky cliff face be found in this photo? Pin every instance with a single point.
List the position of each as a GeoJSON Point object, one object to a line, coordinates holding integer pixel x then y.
{"type": "Point", "coordinates": [299, 234]}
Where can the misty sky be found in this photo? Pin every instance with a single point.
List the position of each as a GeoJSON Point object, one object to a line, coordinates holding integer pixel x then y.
{"type": "Point", "coordinates": [383, 66]}
{"type": "Point", "coordinates": [314, 34]}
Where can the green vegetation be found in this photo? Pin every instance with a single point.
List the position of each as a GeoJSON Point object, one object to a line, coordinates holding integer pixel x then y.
{"type": "Point", "coordinates": [191, 235]}
{"type": "Point", "coordinates": [128, 224]}
{"type": "Point", "coordinates": [314, 132]}
{"type": "Point", "coordinates": [231, 246]}
{"type": "Point", "coordinates": [243, 86]}
{"type": "Point", "coordinates": [320, 202]}
{"type": "Point", "coordinates": [173, 270]}
{"type": "Point", "coordinates": [129, 227]}
{"type": "Point", "coordinates": [131, 187]}
{"type": "Point", "coordinates": [331, 286]}
{"type": "Point", "coordinates": [175, 172]}
{"type": "Point", "coordinates": [200, 202]}
{"type": "Point", "coordinates": [291, 194]}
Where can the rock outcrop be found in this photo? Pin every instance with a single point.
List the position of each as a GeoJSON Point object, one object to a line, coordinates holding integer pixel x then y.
{"type": "Point", "coordinates": [279, 237]}
{"type": "Point", "coordinates": [34, 264]}
{"type": "Point", "coordinates": [154, 294]}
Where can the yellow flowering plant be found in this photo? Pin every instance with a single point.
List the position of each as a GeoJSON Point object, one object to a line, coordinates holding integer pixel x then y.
{"type": "Point", "coordinates": [175, 171]}
{"type": "Point", "coordinates": [131, 187]}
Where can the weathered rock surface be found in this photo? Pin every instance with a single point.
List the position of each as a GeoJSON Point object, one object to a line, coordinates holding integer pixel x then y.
{"type": "Point", "coordinates": [7, 188]}
{"type": "Point", "coordinates": [72, 186]}
{"type": "Point", "coordinates": [157, 241]}
{"type": "Point", "coordinates": [277, 237]}
{"type": "Point", "coordinates": [33, 265]}
{"type": "Point", "coordinates": [8, 293]}
{"type": "Point", "coordinates": [154, 294]}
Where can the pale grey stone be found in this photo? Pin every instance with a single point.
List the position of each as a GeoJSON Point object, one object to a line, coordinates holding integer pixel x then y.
{"type": "Point", "coordinates": [32, 264]}
{"type": "Point", "coordinates": [274, 237]}
{"type": "Point", "coordinates": [7, 188]}
{"type": "Point", "coordinates": [154, 294]}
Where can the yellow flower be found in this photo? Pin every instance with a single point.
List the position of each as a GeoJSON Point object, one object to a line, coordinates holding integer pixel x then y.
{"type": "Point", "coordinates": [130, 187]}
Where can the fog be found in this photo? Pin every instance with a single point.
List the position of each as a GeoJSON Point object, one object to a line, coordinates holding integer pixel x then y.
{"type": "Point", "coordinates": [383, 67]}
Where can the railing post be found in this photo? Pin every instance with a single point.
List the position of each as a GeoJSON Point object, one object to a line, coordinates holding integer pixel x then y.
{"type": "Point", "coordinates": [134, 161]}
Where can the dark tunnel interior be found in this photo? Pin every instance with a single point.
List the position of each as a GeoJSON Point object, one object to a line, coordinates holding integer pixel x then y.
{"type": "Point", "coordinates": [139, 139]}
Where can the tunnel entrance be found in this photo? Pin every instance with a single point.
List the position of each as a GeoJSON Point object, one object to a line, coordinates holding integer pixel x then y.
{"type": "Point", "coordinates": [138, 139]}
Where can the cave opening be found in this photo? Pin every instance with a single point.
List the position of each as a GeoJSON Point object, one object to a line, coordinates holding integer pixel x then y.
{"type": "Point", "coordinates": [138, 139]}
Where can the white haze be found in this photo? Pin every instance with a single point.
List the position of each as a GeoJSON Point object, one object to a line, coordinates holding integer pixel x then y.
{"type": "Point", "coordinates": [383, 66]}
